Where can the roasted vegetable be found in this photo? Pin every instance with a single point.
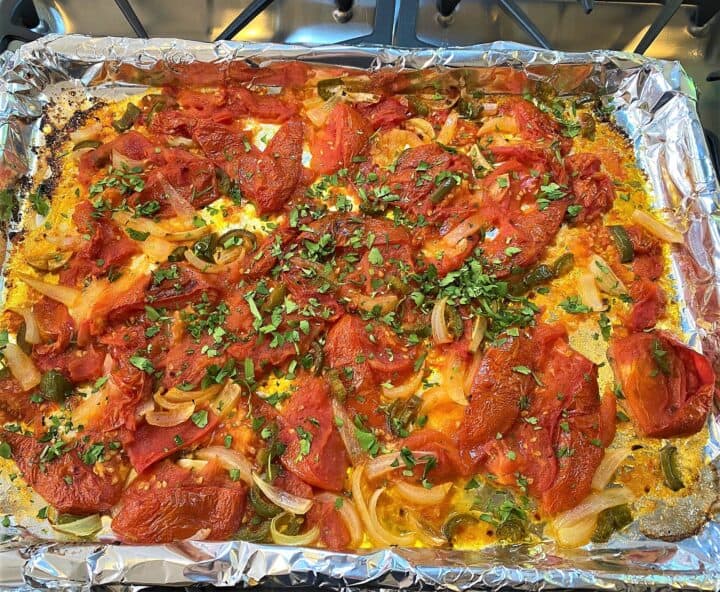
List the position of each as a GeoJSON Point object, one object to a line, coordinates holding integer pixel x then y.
{"type": "Point", "coordinates": [610, 521]}
{"type": "Point", "coordinates": [623, 243]}
{"type": "Point", "coordinates": [670, 470]}
{"type": "Point", "coordinates": [127, 119]}
{"type": "Point", "coordinates": [54, 386]}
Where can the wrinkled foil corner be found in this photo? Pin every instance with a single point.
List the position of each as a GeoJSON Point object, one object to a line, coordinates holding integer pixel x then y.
{"type": "Point", "coordinates": [654, 104]}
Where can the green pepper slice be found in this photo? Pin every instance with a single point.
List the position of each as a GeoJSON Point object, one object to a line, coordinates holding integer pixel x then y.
{"type": "Point", "coordinates": [54, 386]}
{"type": "Point", "coordinates": [127, 119]}
{"type": "Point", "coordinates": [418, 106]}
{"type": "Point", "coordinates": [259, 533]}
{"type": "Point", "coordinates": [609, 521]}
{"type": "Point", "coordinates": [262, 506]}
{"type": "Point", "coordinates": [623, 243]}
{"type": "Point", "coordinates": [402, 413]}
{"type": "Point", "coordinates": [454, 321]}
{"type": "Point", "coordinates": [512, 530]}
{"type": "Point", "coordinates": [21, 341]}
{"type": "Point", "coordinates": [274, 299]}
{"type": "Point", "coordinates": [87, 144]}
{"type": "Point", "coordinates": [237, 237]}
{"type": "Point", "coordinates": [563, 264]}
{"type": "Point", "coordinates": [455, 522]}
{"type": "Point", "coordinates": [177, 254]}
{"type": "Point", "coordinates": [337, 388]}
{"type": "Point", "coordinates": [670, 470]}
{"type": "Point", "coordinates": [205, 247]}
{"type": "Point", "coordinates": [443, 190]}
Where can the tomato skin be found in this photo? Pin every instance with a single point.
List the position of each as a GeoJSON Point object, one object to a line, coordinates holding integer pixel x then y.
{"type": "Point", "coordinates": [153, 443]}
{"type": "Point", "coordinates": [88, 492]}
{"type": "Point", "coordinates": [344, 136]}
{"type": "Point", "coordinates": [648, 263]}
{"type": "Point", "coordinates": [495, 396]}
{"type": "Point", "coordinates": [326, 463]}
{"type": "Point", "coordinates": [131, 144]}
{"type": "Point", "coordinates": [449, 463]}
{"type": "Point", "coordinates": [333, 532]}
{"type": "Point", "coordinates": [389, 112]}
{"type": "Point", "coordinates": [593, 189]}
{"type": "Point", "coordinates": [108, 246]}
{"type": "Point", "coordinates": [170, 505]}
{"type": "Point", "coordinates": [648, 305]}
{"type": "Point", "coordinates": [667, 400]}
{"type": "Point", "coordinates": [54, 321]}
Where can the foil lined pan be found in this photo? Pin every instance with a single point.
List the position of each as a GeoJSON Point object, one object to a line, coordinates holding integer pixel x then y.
{"type": "Point", "coordinates": [654, 103]}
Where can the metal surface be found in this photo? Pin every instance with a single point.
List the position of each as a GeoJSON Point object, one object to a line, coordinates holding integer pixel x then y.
{"type": "Point", "coordinates": [654, 103]}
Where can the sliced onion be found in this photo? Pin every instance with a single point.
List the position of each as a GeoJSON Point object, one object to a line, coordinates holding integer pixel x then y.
{"type": "Point", "coordinates": [204, 266]}
{"type": "Point", "coordinates": [162, 401]}
{"type": "Point", "coordinates": [478, 334]}
{"type": "Point", "coordinates": [201, 535]}
{"type": "Point", "coordinates": [89, 132]}
{"type": "Point", "coordinates": [447, 131]}
{"type": "Point", "coordinates": [589, 293]}
{"type": "Point", "coordinates": [406, 389]}
{"type": "Point", "coordinates": [382, 465]}
{"type": "Point", "coordinates": [50, 261]}
{"type": "Point", "coordinates": [230, 459]}
{"type": "Point", "coordinates": [422, 496]}
{"type": "Point", "coordinates": [226, 400]}
{"type": "Point", "coordinates": [143, 407]}
{"type": "Point", "coordinates": [478, 159]}
{"type": "Point", "coordinates": [503, 124]}
{"type": "Point", "coordinates": [181, 205]}
{"type": "Point", "coordinates": [440, 331]}
{"type": "Point", "coordinates": [300, 540]}
{"type": "Point", "coordinates": [349, 514]}
{"type": "Point", "coordinates": [176, 395]}
{"type": "Point", "coordinates": [490, 108]}
{"type": "Point", "coordinates": [657, 228]}
{"type": "Point", "coordinates": [346, 429]}
{"type": "Point", "coordinates": [63, 294]}
{"type": "Point", "coordinates": [287, 501]}
{"type": "Point", "coordinates": [226, 256]}
{"type": "Point", "coordinates": [156, 230]}
{"type": "Point", "coordinates": [425, 532]}
{"type": "Point", "coordinates": [605, 277]}
{"type": "Point", "coordinates": [191, 464]}
{"type": "Point", "coordinates": [368, 515]}
{"type": "Point", "coordinates": [611, 461]}
{"type": "Point", "coordinates": [575, 527]}
{"type": "Point", "coordinates": [179, 141]}
{"type": "Point", "coordinates": [378, 530]}
{"type": "Point", "coordinates": [170, 418]}
{"type": "Point", "coordinates": [122, 162]}
{"type": "Point", "coordinates": [32, 330]}
{"type": "Point", "coordinates": [82, 527]}
{"type": "Point", "coordinates": [21, 367]}
{"type": "Point", "coordinates": [422, 128]}
{"type": "Point", "coordinates": [471, 372]}
{"type": "Point", "coordinates": [453, 379]}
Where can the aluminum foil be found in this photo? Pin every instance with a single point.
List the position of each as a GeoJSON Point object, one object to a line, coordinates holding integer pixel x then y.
{"type": "Point", "coordinates": [655, 106]}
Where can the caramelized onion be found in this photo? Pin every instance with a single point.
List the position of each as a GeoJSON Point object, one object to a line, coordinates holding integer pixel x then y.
{"type": "Point", "coordinates": [657, 228]}
{"type": "Point", "coordinates": [346, 429]}
{"type": "Point", "coordinates": [368, 515]}
{"type": "Point", "coordinates": [440, 331]}
{"type": "Point", "coordinates": [609, 464]}
{"type": "Point", "coordinates": [589, 293]}
{"type": "Point", "coordinates": [404, 390]}
{"type": "Point", "coordinates": [181, 205]}
{"type": "Point", "coordinates": [422, 128]}
{"type": "Point", "coordinates": [122, 162]}
{"type": "Point", "coordinates": [63, 294]}
{"type": "Point", "coordinates": [287, 501]}
{"type": "Point", "coordinates": [463, 230]}
{"type": "Point", "coordinates": [422, 496]}
{"type": "Point", "coordinates": [204, 266]}
{"type": "Point", "coordinates": [575, 527]}
{"type": "Point", "coordinates": [447, 131]}
{"type": "Point", "coordinates": [226, 400]}
{"type": "Point", "coordinates": [605, 277]}
{"type": "Point", "coordinates": [478, 334]}
{"type": "Point", "coordinates": [349, 514]}
{"type": "Point", "coordinates": [176, 395]}
{"type": "Point", "coordinates": [89, 132]}
{"type": "Point", "coordinates": [170, 418]}
{"type": "Point", "coordinates": [382, 465]}
{"type": "Point", "coordinates": [230, 459]}
{"type": "Point", "coordinates": [32, 330]}
{"type": "Point", "coordinates": [21, 367]}
{"type": "Point", "coordinates": [80, 527]}
{"type": "Point", "coordinates": [280, 538]}
{"type": "Point", "coordinates": [156, 230]}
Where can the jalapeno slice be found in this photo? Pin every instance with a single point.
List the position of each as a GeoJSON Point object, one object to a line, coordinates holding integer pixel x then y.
{"type": "Point", "coordinates": [262, 506]}
{"type": "Point", "coordinates": [670, 469]}
{"type": "Point", "coordinates": [443, 190]}
{"type": "Point", "coordinates": [563, 264]}
{"type": "Point", "coordinates": [205, 247]}
{"type": "Point", "coordinates": [609, 521]}
{"type": "Point", "coordinates": [54, 386]}
{"type": "Point", "coordinates": [455, 522]}
{"type": "Point", "coordinates": [126, 121]}
{"type": "Point", "coordinates": [329, 87]}
{"type": "Point", "coordinates": [623, 243]}
{"type": "Point", "coordinates": [87, 144]}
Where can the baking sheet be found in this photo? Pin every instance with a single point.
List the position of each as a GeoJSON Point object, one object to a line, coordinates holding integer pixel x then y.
{"type": "Point", "coordinates": [655, 106]}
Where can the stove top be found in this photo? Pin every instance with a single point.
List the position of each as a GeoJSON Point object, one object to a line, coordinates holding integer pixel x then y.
{"type": "Point", "coordinates": [684, 30]}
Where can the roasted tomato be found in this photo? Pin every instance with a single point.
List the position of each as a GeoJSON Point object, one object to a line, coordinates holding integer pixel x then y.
{"type": "Point", "coordinates": [172, 504]}
{"type": "Point", "coordinates": [668, 386]}
{"type": "Point", "coordinates": [592, 188]}
{"type": "Point", "coordinates": [344, 137]}
{"type": "Point", "coordinates": [314, 450]}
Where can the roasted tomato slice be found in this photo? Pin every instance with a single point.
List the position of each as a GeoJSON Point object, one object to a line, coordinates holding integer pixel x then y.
{"type": "Point", "coordinates": [171, 504]}
{"type": "Point", "coordinates": [344, 136]}
{"type": "Point", "coordinates": [668, 386]}
{"type": "Point", "coordinates": [314, 450]}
